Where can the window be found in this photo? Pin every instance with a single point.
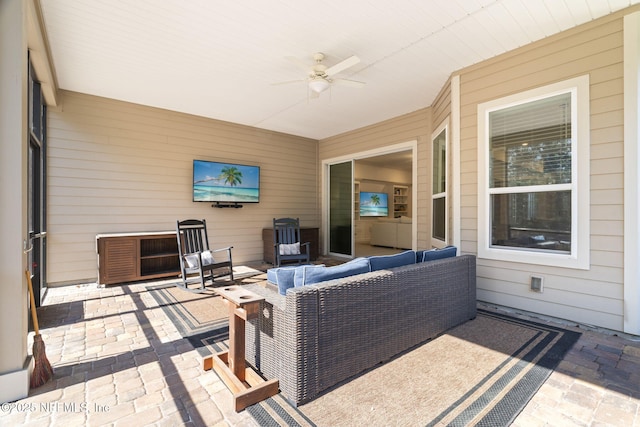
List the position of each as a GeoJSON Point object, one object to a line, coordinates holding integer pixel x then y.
{"type": "Point", "coordinates": [439, 189]}
{"type": "Point", "coordinates": [533, 176]}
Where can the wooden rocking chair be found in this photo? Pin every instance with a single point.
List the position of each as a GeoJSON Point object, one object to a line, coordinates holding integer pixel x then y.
{"type": "Point", "coordinates": [287, 245]}
{"type": "Point", "coordinates": [197, 261]}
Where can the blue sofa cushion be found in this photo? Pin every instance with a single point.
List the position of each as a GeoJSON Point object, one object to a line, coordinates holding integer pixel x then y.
{"type": "Point", "coordinates": [308, 275]}
{"type": "Point", "coordinates": [382, 262]}
{"type": "Point", "coordinates": [449, 251]}
{"type": "Point", "coordinates": [283, 277]}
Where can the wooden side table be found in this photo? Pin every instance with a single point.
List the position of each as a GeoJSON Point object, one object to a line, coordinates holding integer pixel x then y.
{"type": "Point", "coordinates": [246, 385]}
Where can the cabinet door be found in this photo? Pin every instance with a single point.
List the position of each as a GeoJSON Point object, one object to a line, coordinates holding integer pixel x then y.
{"type": "Point", "coordinates": [118, 260]}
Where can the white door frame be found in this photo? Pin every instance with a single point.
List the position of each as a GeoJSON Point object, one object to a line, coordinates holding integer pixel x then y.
{"type": "Point", "coordinates": [389, 149]}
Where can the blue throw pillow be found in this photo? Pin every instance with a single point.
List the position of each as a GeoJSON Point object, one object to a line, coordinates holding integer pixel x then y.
{"type": "Point", "coordinates": [449, 251]}
{"type": "Point", "coordinates": [315, 274]}
{"type": "Point", "coordinates": [382, 262]}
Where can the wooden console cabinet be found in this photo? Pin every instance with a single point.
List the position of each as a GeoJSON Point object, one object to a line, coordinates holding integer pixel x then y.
{"type": "Point", "coordinates": [307, 234]}
{"type": "Point", "coordinates": [128, 257]}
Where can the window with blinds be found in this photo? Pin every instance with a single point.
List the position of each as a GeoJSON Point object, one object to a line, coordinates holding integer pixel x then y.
{"type": "Point", "coordinates": [530, 175]}
{"type": "Point", "coordinates": [439, 187]}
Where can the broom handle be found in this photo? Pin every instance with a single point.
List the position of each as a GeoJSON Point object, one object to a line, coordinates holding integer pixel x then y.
{"type": "Point", "coordinates": [33, 303]}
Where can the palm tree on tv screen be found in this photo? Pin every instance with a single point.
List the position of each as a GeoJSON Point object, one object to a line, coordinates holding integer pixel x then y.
{"type": "Point", "coordinates": [231, 175]}
{"type": "Point", "coordinates": [375, 199]}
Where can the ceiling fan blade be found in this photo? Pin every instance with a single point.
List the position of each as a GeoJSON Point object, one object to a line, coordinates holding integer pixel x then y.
{"type": "Point", "coordinates": [341, 66]}
{"type": "Point", "coordinates": [288, 82]}
{"type": "Point", "coordinates": [346, 82]}
{"type": "Point", "coordinates": [299, 63]}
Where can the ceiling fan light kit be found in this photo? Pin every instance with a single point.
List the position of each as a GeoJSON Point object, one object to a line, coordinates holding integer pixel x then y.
{"type": "Point", "coordinates": [318, 85]}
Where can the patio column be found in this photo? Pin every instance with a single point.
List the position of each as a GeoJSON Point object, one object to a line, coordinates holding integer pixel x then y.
{"type": "Point", "coordinates": [14, 360]}
{"type": "Point", "coordinates": [631, 175]}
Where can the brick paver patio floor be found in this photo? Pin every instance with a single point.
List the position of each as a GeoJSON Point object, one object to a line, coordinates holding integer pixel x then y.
{"type": "Point", "coordinates": [120, 361]}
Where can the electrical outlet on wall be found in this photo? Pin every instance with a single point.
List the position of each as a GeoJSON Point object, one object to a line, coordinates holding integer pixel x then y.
{"type": "Point", "coordinates": [536, 284]}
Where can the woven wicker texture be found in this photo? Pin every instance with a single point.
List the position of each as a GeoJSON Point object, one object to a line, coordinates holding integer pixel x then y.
{"type": "Point", "coordinates": [320, 335]}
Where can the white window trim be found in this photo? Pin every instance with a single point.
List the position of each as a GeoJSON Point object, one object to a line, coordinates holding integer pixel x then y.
{"type": "Point", "coordinates": [578, 258]}
{"type": "Point", "coordinates": [435, 242]}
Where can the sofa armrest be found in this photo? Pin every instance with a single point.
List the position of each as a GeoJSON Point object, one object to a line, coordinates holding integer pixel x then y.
{"type": "Point", "coordinates": [282, 342]}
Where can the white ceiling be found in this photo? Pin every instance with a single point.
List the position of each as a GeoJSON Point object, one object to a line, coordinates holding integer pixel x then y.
{"type": "Point", "coordinates": [219, 59]}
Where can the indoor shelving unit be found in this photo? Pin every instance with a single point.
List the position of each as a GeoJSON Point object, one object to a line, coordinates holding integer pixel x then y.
{"type": "Point", "coordinates": [400, 200]}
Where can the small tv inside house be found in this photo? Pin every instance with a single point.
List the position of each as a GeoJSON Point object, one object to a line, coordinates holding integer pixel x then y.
{"type": "Point", "coordinates": [217, 182]}
{"type": "Point", "coordinates": [374, 204]}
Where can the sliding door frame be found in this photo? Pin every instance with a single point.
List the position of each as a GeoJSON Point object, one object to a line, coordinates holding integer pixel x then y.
{"type": "Point", "coordinates": [325, 201]}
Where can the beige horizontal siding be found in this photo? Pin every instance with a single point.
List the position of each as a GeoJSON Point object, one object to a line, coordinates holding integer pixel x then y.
{"type": "Point", "coordinates": [120, 167]}
{"type": "Point", "coordinates": [442, 105]}
{"type": "Point", "coordinates": [591, 296]}
{"type": "Point", "coordinates": [405, 128]}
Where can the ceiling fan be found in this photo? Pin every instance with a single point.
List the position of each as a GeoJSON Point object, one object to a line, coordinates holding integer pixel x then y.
{"type": "Point", "coordinates": [320, 77]}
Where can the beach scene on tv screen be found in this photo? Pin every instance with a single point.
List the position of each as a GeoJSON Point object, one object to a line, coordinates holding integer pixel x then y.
{"type": "Point", "coordinates": [374, 204]}
{"type": "Point", "coordinates": [225, 182]}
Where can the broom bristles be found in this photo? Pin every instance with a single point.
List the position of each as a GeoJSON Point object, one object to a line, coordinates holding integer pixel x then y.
{"type": "Point", "coordinates": [42, 370]}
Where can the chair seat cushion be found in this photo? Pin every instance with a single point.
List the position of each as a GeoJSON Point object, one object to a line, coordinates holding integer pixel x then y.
{"type": "Point", "coordinates": [289, 249]}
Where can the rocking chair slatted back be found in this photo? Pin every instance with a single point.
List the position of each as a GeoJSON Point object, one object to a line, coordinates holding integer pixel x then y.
{"type": "Point", "coordinates": [194, 235]}
{"type": "Point", "coordinates": [286, 235]}
{"type": "Point", "coordinates": [286, 231]}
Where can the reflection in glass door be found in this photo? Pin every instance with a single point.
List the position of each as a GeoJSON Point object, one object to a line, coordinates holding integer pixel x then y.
{"type": "Point", "coordinates": [340, 208]}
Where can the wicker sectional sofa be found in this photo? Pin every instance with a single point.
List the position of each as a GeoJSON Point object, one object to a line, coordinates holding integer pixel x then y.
{"type": "Point", "coordinates": [317, 336]}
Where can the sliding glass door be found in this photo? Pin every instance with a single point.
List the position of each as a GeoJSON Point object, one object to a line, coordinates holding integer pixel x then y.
{"type": "Point", "coordinates": [341, 208]}
{"type": "Point", "coordinates": [36, 183]}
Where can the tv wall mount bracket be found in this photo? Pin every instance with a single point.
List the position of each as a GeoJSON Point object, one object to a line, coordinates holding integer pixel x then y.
{"type": "Point", "coordinates": [235, 205]}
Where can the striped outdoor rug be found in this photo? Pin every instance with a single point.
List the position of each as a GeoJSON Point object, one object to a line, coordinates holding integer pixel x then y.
{"type": "Point", "coordinates": [196, 313]}
{"type": "Point", "coordinates": [480, 373]}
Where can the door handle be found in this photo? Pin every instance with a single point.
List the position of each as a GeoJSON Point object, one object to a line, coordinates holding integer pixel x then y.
{"type": "Point", "coordinates": [27, 246]}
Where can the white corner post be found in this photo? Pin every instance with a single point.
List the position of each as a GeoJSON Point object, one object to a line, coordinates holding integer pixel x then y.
{"type": "Point", "coordinates": [455, 162]}
{"type": "Point", "coordinates": [14, 361]}
{"type": "Point", "coordinates": [631, 176]}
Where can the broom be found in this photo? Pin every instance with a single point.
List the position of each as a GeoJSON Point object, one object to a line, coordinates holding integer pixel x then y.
{"type": "Point", "coordinates": [42, 371]}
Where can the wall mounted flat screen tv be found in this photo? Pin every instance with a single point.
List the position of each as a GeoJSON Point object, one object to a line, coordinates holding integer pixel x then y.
{"type": "Point", "coordinates": [374, 204]}
{"type": "Point", "coordinates": [225, 182]}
